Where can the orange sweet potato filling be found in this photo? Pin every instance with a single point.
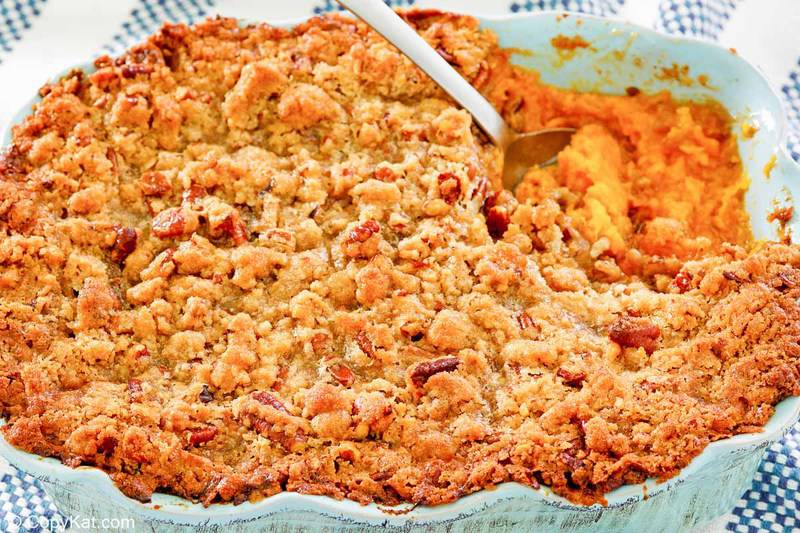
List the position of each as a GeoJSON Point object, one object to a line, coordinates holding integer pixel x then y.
{"type": "Point", "coordinates": [649, 172]}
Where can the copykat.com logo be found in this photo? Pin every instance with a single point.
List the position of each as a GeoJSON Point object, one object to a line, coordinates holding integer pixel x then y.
{"type": "Point", "coordinates": [57, 523]}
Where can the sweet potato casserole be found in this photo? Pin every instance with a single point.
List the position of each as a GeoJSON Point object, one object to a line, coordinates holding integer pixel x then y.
{"type": "Point", "coordinates": [239, 261]}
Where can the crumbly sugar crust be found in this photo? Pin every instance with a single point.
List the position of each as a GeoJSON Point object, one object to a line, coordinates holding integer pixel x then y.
{"type": "Point", "coordinates": [239, 261]}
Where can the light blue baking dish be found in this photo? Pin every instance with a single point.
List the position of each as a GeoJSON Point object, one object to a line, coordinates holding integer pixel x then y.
{"type": "Point", "coordinates": [621, 55]}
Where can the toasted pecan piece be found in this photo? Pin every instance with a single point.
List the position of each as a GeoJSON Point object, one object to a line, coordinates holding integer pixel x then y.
{"type": "Point", "coordinates": [497, 216]}
{"type": "Point", "coordinates": [363, 231]}
{"type": "Point", "coordinates": [201, 436]}
{"type": "Point", "coordinates": [423, 371]}
{"type": "Point", "coordinates": [205, 395]}
{"type": "Point", "coordinates": [635, 332]}
{"type": "Point", "coordinates": [683, 281]}
{"type": "Point", "coordinates": [124, 244]}
{"type": "Point", "coordinates": [572, 379]}
{"type": "Point", "coordinates": [449, 187]}
{"type": "Point", "coordinates": [168, 223]}
{"type": "Point", "coordinates": [268, 399]}
{"type": "Point", "coordinates": [154, 183]}
{"type": "Point", "coordinates": [235, 228]}
{"type": "Point", "coordinates": [365, 344]}
{"type": "Point", "coordinates": [342, 374]}
{"type": "Point", "coordinates": [131, 71]}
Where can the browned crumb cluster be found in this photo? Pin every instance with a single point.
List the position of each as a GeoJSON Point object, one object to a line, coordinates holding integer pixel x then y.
{"type": "Point", "coordinates": [238, 261]}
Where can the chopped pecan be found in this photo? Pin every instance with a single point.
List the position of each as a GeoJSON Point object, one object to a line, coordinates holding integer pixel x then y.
{"type": "Point", "coordinates": [416, 16]}
{"type": "Point", "coordinates": [111, 155]}
{"type": "Point", "coordinates": [235, 228]}
{"type": "Point", "coordinates": [205, 395]}
{"type": "Point", "coordinates": [261, 426]}
{"type": "Point", "coordinates": [365, 344]}
{"type": "Point", "coordinates": [381, 475]}
{"type": "Point", "coordinates": [571, 461]}
{"type": "Point", "coordinates": [193, 193]}
{"type": "Point", "coordinates": [268, 399]}
{"type": "Point", "coordinates": [320, 344]}
{"type": "Point", "coordinates": [787, 279]}
{"type": "Point", "coordinates": [280, 239]}
{"type": "Point", "coordinates": [103, 78]}
{"type": "Point", "coordinates": [481, 186]}
{"type": "Point", "coordinates": [481, 76]}
{"type": "Point", "coordinates": [683, 281]}
{"type": "Point", "coordinates": [363, 231]}
{"type": "Point", "coordinates": [168, 223]}
{"type": "Point", "coordinates": [449, 187]}
{"type": "Point", "coordinates": [154, 183]}
{"type": "Point", "coordinates": [347, 455]}
{"type": "Point", "coordinates": [634, 332]}
{"type": "Point", "coordinates": [573, 379]}
{"type": "Point", "coordinates": [286, 440]}
{"type": "Point", "coordinates": [650, 386]}
{"type": "Point", "coordinates": [201, 436]}
{"type": "Point", "coordinates": [102, 61]}
{"type": "Point", "coordinates": [342, 374]}
{"type": "Point", "coordinates": [162, 265]}
{"type": "Point", "coordinates": [525, 321]}
{"type": "Point", "coordinates": [385, 174]}
{"type": "Point", "coordinates": [124, 244]}
{"type": "Point", "coordinates": [131, 71]}
{"type": "Point", "coordinates": [47, 183]}
{"type": "Point", "coordinates": [731, 276]}
{"type": "Point", "coordinates": [447, 56]}
{"type": "Point", "coordinates": [283, 371]}
{"type": "Point", "coordinates": [424, 370]}
{"type": "Point", "coordinates": [497, 220]}
{"type": "Point", "coordinates": [497, 216]}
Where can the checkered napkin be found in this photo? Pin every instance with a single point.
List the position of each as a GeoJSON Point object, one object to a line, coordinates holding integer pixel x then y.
{"type": "Point", "coordinates": [41, 37]}
{"type": "Point", "coordinates": [24, 506]}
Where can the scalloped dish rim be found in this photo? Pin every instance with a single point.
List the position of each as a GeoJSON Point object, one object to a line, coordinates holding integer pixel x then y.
{"type": "Point", "coordinates": [173, 509]}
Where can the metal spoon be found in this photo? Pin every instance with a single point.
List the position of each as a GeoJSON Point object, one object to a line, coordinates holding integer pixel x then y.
{"type": "Point", "coordinates": [521, 150]}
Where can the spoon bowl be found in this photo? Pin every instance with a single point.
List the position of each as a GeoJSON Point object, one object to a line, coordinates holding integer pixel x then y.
{"type": "Point", "coordinates": [538, 148]}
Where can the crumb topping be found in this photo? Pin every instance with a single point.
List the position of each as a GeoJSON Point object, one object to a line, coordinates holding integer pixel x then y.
{"type": "Point", "coordinates": [238, 261]}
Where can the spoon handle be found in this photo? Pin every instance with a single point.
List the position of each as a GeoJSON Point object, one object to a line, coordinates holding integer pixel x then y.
{"type": "Point", "coordinates": [381, 18]}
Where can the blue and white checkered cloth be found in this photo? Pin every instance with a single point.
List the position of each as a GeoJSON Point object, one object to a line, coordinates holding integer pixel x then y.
{"type": "Point", "coordinates": [24, 506]}
{"type": "Point", "coordinates": [42, 36]}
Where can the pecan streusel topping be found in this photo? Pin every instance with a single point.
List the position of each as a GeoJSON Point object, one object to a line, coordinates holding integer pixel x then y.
{"type": "Point", "coordinates": [237, 261]}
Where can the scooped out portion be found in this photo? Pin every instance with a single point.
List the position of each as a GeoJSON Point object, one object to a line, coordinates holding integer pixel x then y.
{"type": "Point", "coordinates": [239, 261]}
{"type": "Point", "coordinates": [653, 174]}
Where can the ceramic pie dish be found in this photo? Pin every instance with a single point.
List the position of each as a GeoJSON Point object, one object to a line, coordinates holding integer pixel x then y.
{"type": "Point", "coordinates": [621, 55]}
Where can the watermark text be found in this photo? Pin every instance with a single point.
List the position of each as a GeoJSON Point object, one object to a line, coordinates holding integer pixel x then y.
{"type": "Point", "coordinates": [73, 523]}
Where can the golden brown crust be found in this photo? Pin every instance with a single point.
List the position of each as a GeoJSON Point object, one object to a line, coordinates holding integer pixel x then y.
{"type": "Point", "coordinates": [237, 261]}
